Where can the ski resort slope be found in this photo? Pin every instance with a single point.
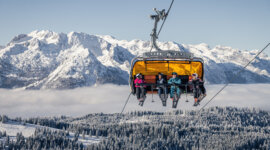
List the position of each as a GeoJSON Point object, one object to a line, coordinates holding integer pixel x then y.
{"type": "Point", "coordinates": [12, 128]}
{"type": "Point", "coordinates": [111, 99]}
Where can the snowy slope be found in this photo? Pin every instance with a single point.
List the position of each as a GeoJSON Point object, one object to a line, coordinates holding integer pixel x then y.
{"type": "Point", "coordinates": [45, 59]}
{"type": "Point", "coordinates": [12, 128]}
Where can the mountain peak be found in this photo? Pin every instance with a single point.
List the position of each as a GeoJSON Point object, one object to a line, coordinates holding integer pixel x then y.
{"type": "Point", "coordinates": [47, 59]}
{"type": "Point", "coordinates": [41, 33]}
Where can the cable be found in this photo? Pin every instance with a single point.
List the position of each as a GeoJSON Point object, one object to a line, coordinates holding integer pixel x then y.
{"type": "Point", "coordinates": [125, 103]}
{"type": "Point", "coordinates": [234, 77]}
{"type": "Point", "coordinates": [165, 17]}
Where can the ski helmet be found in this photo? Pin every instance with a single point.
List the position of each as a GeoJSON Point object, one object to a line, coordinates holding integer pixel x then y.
{"type": "Point", "coordinates": [137, 75]}
{"type": "Point", "coordinates": [195, 75]}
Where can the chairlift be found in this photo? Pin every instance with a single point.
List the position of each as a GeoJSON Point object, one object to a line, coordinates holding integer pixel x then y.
{"type": "Point", "coordinates": [166, 62]}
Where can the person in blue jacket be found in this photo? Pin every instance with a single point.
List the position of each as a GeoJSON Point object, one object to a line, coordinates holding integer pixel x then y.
{"type": "Point", "coordinates": [174, 81]}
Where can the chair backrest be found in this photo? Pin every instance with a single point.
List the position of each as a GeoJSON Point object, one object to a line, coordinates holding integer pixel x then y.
{"type": "Point", "coordinates": [169, 76]}
{"type": "Point", "coordinates": [184, 79]}
{"type": "Point", "coordinates": [150, 79]}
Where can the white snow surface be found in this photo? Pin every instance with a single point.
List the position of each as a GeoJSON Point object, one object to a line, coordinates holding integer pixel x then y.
{"type": "Point", "coordinates": [49, 60]}
{"type": "Point", "coordinates": [12, 128]}
{"type": "Point", "coordinates": [111, 99]}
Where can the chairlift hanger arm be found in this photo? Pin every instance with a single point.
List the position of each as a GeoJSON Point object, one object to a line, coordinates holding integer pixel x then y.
{"type": "Point", "coordinates": [160, 15]}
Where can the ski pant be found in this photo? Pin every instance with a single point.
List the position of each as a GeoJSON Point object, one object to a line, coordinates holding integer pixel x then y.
{"type": "Point", "coordinates": [202, 89]}
{"type": "Point", "coordinates": [173, 89]}
{"type": "Point", "coordinates": [198, 90]}
{"type": "Point", "coordinates": [163, 90]}
{"type": "Point", "coordinates": [140, 92]}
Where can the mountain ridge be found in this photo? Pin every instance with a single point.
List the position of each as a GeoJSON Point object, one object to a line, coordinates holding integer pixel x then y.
{"type": "Point", "coordinates": [49, 60]}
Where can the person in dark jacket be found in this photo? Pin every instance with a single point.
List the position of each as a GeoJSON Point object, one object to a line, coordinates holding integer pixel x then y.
{"type": "Point", "coordinates": [198, 88]}
{"type": "Point", "coordinates": [162, 88]}
{"type": "Point", "coordinates": [140, 88]}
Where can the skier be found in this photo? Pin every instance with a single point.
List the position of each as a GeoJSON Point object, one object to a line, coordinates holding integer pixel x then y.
{"type": "Point", "coordinates": [162, 88]}
{"type": "Point", "coordinates": [140, 88]}
{"type": "Point", "coordinates": [198, 88]}
{"type": "Point", "coordinates": [173, 82]}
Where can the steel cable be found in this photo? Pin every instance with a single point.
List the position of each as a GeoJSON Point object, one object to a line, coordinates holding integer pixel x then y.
{"type": "Point", "coordinates": [234, 77]}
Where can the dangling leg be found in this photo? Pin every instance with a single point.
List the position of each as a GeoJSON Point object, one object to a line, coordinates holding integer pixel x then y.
{"type": "Point", "coordinates": [138, 94]}
{"type": "Point", "coordinates": [172, 92]}
{"type": "Point", "coordinates": [201, 94]}
{"type": "Point", "coordinates": [142, 94]}
{"type": "Point", "coordinates": [203, 90]}
{"type": "Point", "coordinates": [162, 95]}
{"type": "Point", "coordinates": [196, 95]}
{"type": "Point", "coordinates": [178, 93]}
{"type": "Point", "coordinates": [165, 93]}
{"type": "Point", "coordinates": [160, 92]}
{"type": "Point", "coordinates": [176, 97]}
{"type": "Point", "coordinates": [186, 89]}
{"type": "Point", "coordinates": [165, 96]}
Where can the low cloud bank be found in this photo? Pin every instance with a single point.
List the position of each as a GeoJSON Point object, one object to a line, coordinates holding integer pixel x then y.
{"type": "Point", "coordinates": [111, 98]}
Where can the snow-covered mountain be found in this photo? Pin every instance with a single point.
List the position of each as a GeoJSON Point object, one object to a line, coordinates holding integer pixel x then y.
{"type": "Point", "coordinates": [45, 59]}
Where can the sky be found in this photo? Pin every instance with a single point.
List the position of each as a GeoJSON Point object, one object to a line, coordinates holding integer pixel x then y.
{"type": "Point", "coordinates": [111, 99]}
{"type": "Point", "coordinates": [241, 24]}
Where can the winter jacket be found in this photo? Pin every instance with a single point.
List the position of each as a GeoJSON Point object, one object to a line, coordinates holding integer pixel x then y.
{"type": "Point", "coordinates": [161, 81]}
{"type": "Point", "coordinates": [138, 81]}
{"type": "Point", "coordinates": [174, 88]}
{"type": "Point", "coordinates": [174, 81]}
{"type": "Point", "coordinates": [196, 82]}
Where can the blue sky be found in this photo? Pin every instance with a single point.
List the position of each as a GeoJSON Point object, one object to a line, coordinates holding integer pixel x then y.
{"type": "Point", "coordinates": [242, 24]}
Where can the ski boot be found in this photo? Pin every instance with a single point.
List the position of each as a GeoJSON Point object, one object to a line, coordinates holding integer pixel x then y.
{"type": "Point", "coordinates": [196, 103]}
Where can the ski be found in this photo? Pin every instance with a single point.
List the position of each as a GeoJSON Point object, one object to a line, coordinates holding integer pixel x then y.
{"type": "Point", "coordinates": [201, 98]}
{"type": "Point", "coordinates": [175, 104]}
{"type": "Point", "coordinates": [163, 99]}
{"type": "Point", "coordinates": [141, 101]}
{"type": "Point", "coordinates": [175, 101]}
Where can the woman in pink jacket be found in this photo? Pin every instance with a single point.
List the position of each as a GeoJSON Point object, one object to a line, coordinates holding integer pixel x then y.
{"type": "Point", "coordinates": [140, 88]}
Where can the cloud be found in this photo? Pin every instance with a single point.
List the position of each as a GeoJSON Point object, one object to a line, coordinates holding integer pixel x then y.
{"type": "Point", "coordinates": [111, 99]}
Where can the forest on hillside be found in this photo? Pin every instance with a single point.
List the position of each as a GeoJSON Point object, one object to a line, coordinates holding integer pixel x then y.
{"type": "Point", "coordinates": [212, 128]}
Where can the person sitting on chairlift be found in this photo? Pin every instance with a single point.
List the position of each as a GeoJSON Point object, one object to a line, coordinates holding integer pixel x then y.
{"type": "Point", "coordinates": [198, 88]}
{"type": "Point", "coordinates": [140, 88]}
{"type": "Point", "coordinates": [174, 82]}
{"type": "Point", "coordinates": [162, 88]}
